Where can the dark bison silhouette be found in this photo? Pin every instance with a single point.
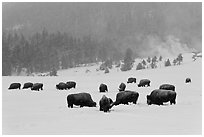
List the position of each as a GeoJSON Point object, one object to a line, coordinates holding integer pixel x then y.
{"type": "Point", "coordinates": [144, 82]}
{"type": "Point", "coordinates": [167, 87]}
{"type": "Point", "coordinates": [122, 87]}
{"type": "Point", "coordinates": [27, 85]}
{"type": "Point", "coordinates": [15, 86]}
{"type": "Point", "coordinates": [80, 99]}
{"type": "Point", "coordinates": [188, 80]}
{"type": "Point", "coordinates": [105, 103]}
{"type": "Point", "coordinates": [62, 86]}
{"type": "Point", "coordinates": [124, 97]}
{"type": "Point", "coordinates": [37, 86]}
{"type": "Point", "coordinates": [71, 84]}
{"type": "Point", "coordinates": [131, 80]}
{"type": "Point", "coordinates": [103, 88]}
{"type": "Point", "coordinates": [159, 96]}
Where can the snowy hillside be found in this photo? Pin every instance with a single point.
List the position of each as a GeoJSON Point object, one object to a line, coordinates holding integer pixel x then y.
{"type": "Point", "coordinates": [46, 111]}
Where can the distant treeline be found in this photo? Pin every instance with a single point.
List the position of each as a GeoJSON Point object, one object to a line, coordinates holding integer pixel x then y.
{"type": "Point", "coordinates": [44, 51]}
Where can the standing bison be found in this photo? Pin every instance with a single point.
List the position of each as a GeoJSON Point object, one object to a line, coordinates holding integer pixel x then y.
{"type": "Point", "coordinates": [122, 87]}
{"type": "Point", "coordinates": [80, 99]}
{"type": "Point", "coordinates": [71, 84]}
{"type": "Point", "coordinates": [159, 96]}
{"type": "Point", "coordinates": [167, 87]}
{"type": "Point", "coordinates": [144, 82]}
{"type": "Point", "coordinates": [103, 88]}
{"type": "Point", "coordinates": [27, 85]}
{"type": "Point", "coordinates": [131, 80]}
{"type": "Point", "coordinates": [188, 80]}
{"type": "Point", "coordinates": [15, 86]}
{"type": "Point", "coordinates": [62, 86]}
{"type": "Point", "coordinates": [124, 97]}
{"type": "Point", "coordinates": [37, 86]}
{"type": "Point", "coordinates": [105, 103]}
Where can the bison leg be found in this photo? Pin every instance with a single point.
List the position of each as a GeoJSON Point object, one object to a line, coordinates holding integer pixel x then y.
{"type": "Point", "coordinates": [100, 109]}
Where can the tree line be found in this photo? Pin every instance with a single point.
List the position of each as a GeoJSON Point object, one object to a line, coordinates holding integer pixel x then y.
{"type": "Point", "coordinates": [44, 51]}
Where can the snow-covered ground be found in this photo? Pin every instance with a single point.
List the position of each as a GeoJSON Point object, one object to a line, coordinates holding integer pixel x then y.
{"type": "Point", "coordinates": [46, 111]}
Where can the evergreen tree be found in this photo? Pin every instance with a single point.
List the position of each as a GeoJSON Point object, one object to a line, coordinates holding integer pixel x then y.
{"type": "Point", "coordinates": [139, 66]}
{"type": "Point", "coordinates": [160, 58]}
{"type": "Point", "coordinates": [167, 63]}
{"type": "Point", "coordinates": [128, 61]}
{"type": "Point", "coordinates": [175, 62]}
{"type": "Point", "coordinates": [148, 59]}
{"type": "Point", "coordinates": [180, 58]}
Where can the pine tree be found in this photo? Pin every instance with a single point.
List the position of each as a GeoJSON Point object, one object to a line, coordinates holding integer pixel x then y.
{"type": "Point", "coordinates": [148, 59]}
{"type": "Point", "coordinates": [139, 66]}
{"type": "Point", "coordinates": [179, 59]}
{"type": "Point", "coordinates": [128, 61]}
{"type": "Point", "coordinates": [167, 63]}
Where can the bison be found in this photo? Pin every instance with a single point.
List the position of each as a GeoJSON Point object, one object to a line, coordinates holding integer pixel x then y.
{"type": "Point", "coordinates": [159, 96]}
{"type": "Point", "coordinates": [37, 86]}
{"type": "Point", "coordinates": [80, 99]}
{"type": "Point", "coordinates": [62, 86]}
{"type": "Point", "coordinates": [131, 80]}
{"type": "Point", "coordinates": [122, 87]}
{"type": "Point", "coordinates": [71, 84]}
{"type": "Point", "coordinates": [144, 82]}
{"type": "Point", "coordinates": [15, 86]}
{"type": "Point", "coordinates": [103, 88]}
{"type": "Point", "coordinates": [188, 80]}
{"type": "Point", "coordinates": [167, 87]}
{"type": "Point", "coordinates": [105, 103]}
{"type": "Point", "coordinates": [124, 97]}
{"type": "Point", "coordinates": [27, 85]}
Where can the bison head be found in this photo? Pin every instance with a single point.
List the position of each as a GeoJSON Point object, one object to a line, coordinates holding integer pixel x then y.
{"type": "Point", "coordinates": [93, 104]}
{"type": "Point", "coordinates": [149, 100]}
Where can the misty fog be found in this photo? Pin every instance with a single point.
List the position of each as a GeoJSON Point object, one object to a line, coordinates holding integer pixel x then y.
{"type": "Point", "coordinates": [147, 28]}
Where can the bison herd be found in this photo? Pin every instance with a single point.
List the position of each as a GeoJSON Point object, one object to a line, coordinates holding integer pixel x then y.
{"type": "Point", "coordinates": [165, 93]}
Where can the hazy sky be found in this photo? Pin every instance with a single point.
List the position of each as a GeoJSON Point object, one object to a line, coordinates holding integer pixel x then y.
{"type": "Point", "coordinates": [126, 24]}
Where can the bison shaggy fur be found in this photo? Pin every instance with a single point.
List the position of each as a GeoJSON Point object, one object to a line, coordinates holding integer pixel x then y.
{"type": "Point", "coordinates": [62, 86]}
{"type": "Point", "coordinates": [15, 86]}
{"type": "Point", "coordinates": [80, 99]}
{"type": "Point", "coordinates": [188, 80]}
{"type": "Point", "coordinates": [103, 88]}
{"type": "Point", "coordinates": [167, 87]}
{"type": "Point", "coordinates": [37, 86]}
{"type": "Point", "coordinates": [159, 96]}
{"type": "Point", "coordinates": [71, 84]}
{"type": "Point", "coordinates": [27, 85]}
{"type": "Point", "coordinates": [105, 103]}
{"type": "Point", "coordinates": [124, 97]}
{"type": "Point", "coordinates": [131, 80]}
{"type": "Point", "coordinates": [144, 82]}
{"type": "Point", "coordinates": [122, 87]}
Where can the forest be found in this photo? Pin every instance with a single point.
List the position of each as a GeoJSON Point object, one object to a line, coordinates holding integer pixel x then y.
{"type": "Point", "coordinates": [44, 51]}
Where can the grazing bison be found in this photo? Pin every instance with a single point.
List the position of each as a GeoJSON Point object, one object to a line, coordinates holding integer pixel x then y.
{"type": "Point", "coordinates": [131, 80]}
{"type": "Point", "coordinates": [28, 85]}
{"type": "Point", "coordinates": [188, 80]}
{"type": "Point", "coordinates": [37, 86]}
{"type": "Point", "coordinates": [103, 88]}
{"type": "Point", "coordinates": [144, 82]}
{"type": "Point", "coordinates": [159, 96]}
{"type": "Point", "coordinates": [61, 86]}
{"type": "Point", "coordinates": [80, 99]}
{"type": "Point", "coordinates": [15, 86]}
{"type": "Point", "coordinates": [105, 104]}
{"type": "Point", "coordinates": [71, 84]}
{"type": "Point", "coordinates": [122, 87]}
{"type": "Point", "coordinates": [167, 87]}
{"type": "Point", "coordinates": [124, 97]}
